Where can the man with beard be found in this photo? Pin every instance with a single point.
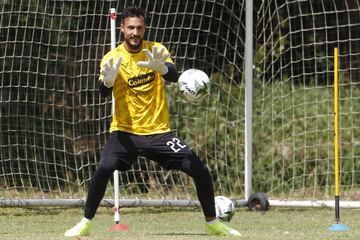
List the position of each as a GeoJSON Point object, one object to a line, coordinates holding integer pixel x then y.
{"type": "Point", "coordinates": [134, 72]}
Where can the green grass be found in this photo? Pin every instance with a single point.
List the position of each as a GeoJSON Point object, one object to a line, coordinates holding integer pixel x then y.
{"type": "Point", "coordinates": [177, 223]}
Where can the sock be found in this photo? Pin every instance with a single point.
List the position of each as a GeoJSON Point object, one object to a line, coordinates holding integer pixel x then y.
{"type": "Point", "coordinates": [85, 220]}
{"type": "Point", "coordinates": [212, 221]}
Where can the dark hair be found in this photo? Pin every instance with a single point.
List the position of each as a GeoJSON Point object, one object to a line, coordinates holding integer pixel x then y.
{"type": "Point", "coordinates": [133, 11]}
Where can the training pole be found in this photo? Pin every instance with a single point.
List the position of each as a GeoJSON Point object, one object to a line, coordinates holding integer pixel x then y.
{"type": "Point", "coordinates": [116, 208]}
{"type": "Point", "coordinates": [337, 226]}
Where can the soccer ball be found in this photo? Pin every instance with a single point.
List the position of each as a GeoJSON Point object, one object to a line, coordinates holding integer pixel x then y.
{"type": "Point", "coordinates": [224, 207]}
{"type": "Point", "coordinates": [193, 83]}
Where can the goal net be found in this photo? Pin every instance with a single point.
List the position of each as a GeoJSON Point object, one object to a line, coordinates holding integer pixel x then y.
{"type": "Point", "coordinates": [294, 98]}
{"type": "Point", "coordinates": [54, 123]}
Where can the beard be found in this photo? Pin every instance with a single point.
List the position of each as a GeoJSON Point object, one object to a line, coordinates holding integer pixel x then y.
{"type": "Point", "coordinates": [134, 46]}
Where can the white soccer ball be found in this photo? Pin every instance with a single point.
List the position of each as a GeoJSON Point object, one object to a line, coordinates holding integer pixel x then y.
{"type": "Point", "coordinates": [194, 83]}
{"type": "Point", "coordinates": [225, 208]}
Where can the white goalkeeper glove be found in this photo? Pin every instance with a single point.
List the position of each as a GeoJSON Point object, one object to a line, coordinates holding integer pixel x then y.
{"type": "Point", "coordinates": [109, 72]}
{"type": "Point", "coordinates": [156, 60]}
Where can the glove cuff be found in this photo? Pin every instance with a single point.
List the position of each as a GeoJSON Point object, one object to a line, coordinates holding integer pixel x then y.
{"type": "Point", "coordinates": [164, 70]}
{"type": "Point", "coordinates": [108, 84]}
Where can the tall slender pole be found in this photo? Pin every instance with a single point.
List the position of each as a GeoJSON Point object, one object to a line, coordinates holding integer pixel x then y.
{"type": "Point", "coordinates": [337, 226]}
{"type": "Point", "coordinates": [116, 209]}
{"type": "Point", "coordinates": [116, 172]}
{"type": "Point", "coordinates": [336, 136]}
{"type": "Point", "coordinates": [248, 96]}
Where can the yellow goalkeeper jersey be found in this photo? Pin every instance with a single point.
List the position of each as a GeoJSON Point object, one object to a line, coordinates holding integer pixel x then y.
{"type": "Point", "coordinates": [140, 105]}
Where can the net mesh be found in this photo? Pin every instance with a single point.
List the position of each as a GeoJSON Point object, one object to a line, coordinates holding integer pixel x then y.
{"type": "Point", "coordinates": [295, 66]}
{"type": "Point", "coordinates": [54, 122]}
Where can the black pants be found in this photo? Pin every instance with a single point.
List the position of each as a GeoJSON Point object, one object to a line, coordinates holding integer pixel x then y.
{"type": "Point", "coordinates": [169, 151]}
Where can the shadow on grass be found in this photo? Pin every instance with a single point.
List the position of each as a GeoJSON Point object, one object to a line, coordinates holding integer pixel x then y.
{"type": "Point", "coordinates": [177, 234]}
{"type": "Point", "coordinates": [30, 211]}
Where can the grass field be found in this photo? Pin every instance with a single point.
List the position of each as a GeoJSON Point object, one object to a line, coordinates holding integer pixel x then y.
{"type": "Point", "coordinates": [175, 223]}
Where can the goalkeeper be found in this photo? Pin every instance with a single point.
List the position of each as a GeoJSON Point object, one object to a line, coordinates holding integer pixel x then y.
{"type": "Point", "coordinates": [134, 73]}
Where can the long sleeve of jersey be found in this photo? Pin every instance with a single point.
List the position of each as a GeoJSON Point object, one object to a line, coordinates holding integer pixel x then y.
{"type": "Point", "coordinates": [104, 91]}
{"type": "Point", "coordinates": [172, 74]}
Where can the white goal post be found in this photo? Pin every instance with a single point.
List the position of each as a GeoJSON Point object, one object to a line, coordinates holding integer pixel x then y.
{"type": "Point", "coordinates": [266, 126]}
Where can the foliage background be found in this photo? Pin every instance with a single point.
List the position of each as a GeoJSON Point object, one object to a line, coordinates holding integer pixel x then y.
{"type": "Point", "coordinates": [53, 122]}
